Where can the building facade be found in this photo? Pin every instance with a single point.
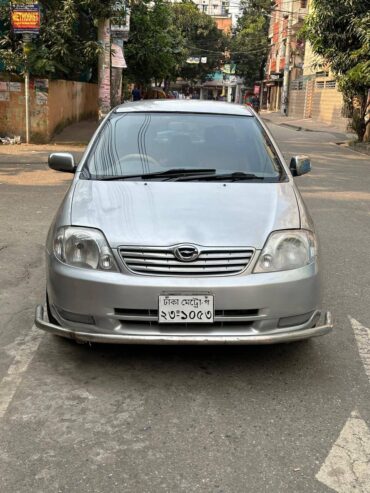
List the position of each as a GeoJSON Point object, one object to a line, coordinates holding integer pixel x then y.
{"type": "Point", "coordinates": [310, 89]}
{"type": "Point", "coordinates": [286, 49]}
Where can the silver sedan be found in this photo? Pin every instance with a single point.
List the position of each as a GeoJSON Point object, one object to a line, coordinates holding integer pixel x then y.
{"type": "Point", "coordinates": [183, 225]}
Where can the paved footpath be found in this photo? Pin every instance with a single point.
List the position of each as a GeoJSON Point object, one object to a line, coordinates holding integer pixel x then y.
{"type": "Point", "coordinates": [289, 418]}
{"type": "Point", "coordinates": [308, 125]}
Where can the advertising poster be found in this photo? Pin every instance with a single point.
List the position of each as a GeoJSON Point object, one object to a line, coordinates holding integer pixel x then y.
{"type": "Point", "coordinates": [42, 90]}
{"type": "Point", "coordinates": [25, 17]}
{"type": "Point", "coordinates": [15, 87]}
{"type": "Point", "coordinates": [4, 96]}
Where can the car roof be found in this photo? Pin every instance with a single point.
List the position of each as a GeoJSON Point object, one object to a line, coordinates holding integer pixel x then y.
{"type": "Point", "coordinates": [184, 106]}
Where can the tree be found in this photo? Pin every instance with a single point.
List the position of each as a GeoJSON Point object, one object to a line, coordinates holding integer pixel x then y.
{"type": "Point", "coordinates": [201, 38]}
{"type": "Point", "coordinates": [251, 44]}
{"type": "Point", "coordinates": [67, 45]}
{"type": "Point", "coordinates": [162, 37]}
{"type": "Point", "coordinates": [339, 32]}
{"type": "Point", "coordinates": [154, 48]}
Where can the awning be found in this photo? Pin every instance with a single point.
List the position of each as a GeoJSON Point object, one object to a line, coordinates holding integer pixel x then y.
{"type": "Point", "coordinates": [118, 60]}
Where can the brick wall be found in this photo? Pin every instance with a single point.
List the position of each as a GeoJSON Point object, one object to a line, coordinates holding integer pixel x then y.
{"type": "Point", "coordinates": [54, 104]}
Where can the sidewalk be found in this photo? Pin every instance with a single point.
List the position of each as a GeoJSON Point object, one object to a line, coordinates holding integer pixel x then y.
{"type": "Point", "coordinates": [307, 124]}
{"type": "Point", "coordinates": [78, 133]}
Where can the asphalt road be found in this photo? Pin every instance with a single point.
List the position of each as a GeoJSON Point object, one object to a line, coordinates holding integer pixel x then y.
{"type": "Point", "coordinates": [220, 419]}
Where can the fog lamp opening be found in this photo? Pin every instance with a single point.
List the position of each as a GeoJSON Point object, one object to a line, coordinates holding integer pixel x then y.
{"type": "Point", "coordinates": [76, 317]}
{"type": "Point", "coordinates": [297, 320]}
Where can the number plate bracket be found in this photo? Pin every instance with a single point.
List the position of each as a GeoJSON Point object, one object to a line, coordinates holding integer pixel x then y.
{"type": "Point", "coordinates": [186, 309]}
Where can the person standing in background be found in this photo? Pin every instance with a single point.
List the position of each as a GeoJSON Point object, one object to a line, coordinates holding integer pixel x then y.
{"type": "Point", "coordinates": [136, 94]}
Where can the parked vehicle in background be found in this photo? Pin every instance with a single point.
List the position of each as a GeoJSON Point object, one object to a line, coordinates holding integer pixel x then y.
{"type": "Point", "coordinates": [155, 93]}
{"type": "Point", "coordinates": [182, 225]}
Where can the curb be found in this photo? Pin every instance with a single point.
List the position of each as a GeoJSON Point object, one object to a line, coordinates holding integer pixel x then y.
{"type": "Point", "coordinates": [290, 125]}
{"type": "Point", "coordinates": [337, 135]}
{"type": "Point", "coordinates": [70, 143]}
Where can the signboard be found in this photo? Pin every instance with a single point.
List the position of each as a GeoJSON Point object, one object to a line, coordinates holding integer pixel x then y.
{"type": "Point", "coordinates": [120, 30]}
{"type": "Point", "coordinates": [256, 90]}
{"type": "Point", "coordinates": [197, 59]}
{"type": "Point", "coordinates": [25, 18]}
{"type": "Point", "coordinates": [15, 87]}
{"type": "Point", "coordinates": [118, 59]}
{"type": "Point", "coordinates": [229, 68]}
{"type": "Point", "coordinates": [193, 59]}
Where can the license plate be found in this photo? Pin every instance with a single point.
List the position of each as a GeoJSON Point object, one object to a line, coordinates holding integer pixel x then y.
{"type": "Point", "coordinates": [186, 309]}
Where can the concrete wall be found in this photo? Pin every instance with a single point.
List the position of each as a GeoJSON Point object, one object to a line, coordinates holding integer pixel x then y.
{"type": "Point", "coordinates": [297, 99]}
{"type": "Point", "coordinates": [12, 111]}
{"type": "Point", "coordinates": [317, 98]}
{"type": "Point", "coordinates": [71, 102]}
{"type": "Point", "coordinates": [327, 103]}
{"type": "Point", "coordinates": [54, 104]}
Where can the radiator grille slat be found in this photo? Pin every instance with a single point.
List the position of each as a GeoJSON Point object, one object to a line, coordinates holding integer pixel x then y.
{"type": "Point", "coordinates": [162, 261]}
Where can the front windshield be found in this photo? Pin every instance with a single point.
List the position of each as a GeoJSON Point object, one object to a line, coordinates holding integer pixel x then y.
{"type": "Point", "coordinates": [142, 143]}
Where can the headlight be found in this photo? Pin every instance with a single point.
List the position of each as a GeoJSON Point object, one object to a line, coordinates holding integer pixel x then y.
{"type": "Point", "coordinates": [84, 247]}
{"type": "Point", "coordinates": [286, 250]}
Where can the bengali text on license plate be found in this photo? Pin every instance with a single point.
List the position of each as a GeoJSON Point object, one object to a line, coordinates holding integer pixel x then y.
{"type": "Point", "coordinates": [186, 309]}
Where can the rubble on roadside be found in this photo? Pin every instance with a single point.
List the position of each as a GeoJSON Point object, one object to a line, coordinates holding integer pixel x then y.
{"type": "Point", "coordinates": [11, 140]}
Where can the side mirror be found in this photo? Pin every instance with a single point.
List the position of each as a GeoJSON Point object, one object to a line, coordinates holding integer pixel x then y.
{"type": "Point", "coordinates": [62, 161]}
{"type": "Point", "coordinates": [300, 165]}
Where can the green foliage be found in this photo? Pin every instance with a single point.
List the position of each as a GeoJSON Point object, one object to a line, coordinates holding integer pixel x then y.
{"type": "Point", "coordinates": [164, 35]}
{"type": "Point", "coordinates": [67, 45]}
{"type": "Point", "coordinates": [250, 44]}
{"type": "Point", "coordinates": [154, 46]}
{"type": "Point", "coordinates": [340, 33]}
{"type": "Point", "coordinates": [200, 37]}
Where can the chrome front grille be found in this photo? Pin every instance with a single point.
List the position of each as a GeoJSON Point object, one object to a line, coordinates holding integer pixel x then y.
{"type": "Point", "coordinates": [162, 261]}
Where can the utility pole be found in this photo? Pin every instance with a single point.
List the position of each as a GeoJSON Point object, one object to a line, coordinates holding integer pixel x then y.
{"type": "Point", "coordinates": [104, 67]}
{"type": "Point", "coordinates": [285, 92]}
{"type": "Point", "coordinates": [26, 49]}
{"type": "Point", "coordinates": [25, 19]}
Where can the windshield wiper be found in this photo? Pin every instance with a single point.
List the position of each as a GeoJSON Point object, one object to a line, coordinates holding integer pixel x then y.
{"type": "Point", "coordinates": [170, 173]}
{"type": "Point", "coordinates": [236, 176]}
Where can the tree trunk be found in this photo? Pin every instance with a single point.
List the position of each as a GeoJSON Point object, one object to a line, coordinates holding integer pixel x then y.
{"type": "Point", "coordinates": [367, 132]}
{"type": "Point", "coordinates": [104, 68]}
{"type": "Point", "coordinates": [367, 118]}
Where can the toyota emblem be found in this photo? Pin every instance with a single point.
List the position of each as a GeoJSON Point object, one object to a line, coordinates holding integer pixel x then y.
{"type": "Point", "coordinates": [186, 253]}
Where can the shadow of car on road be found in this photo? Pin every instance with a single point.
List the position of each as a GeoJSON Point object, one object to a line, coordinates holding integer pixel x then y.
{"type": "Point", "coordinates": [297, 362]}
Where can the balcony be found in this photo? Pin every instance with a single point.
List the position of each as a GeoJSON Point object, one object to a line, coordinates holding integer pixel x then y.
{"type": "Point", "coordinates": [298, 17]}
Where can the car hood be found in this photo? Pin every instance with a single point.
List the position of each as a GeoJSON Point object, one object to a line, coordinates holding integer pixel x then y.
{"type": "Point", "coordinates": [168, 213]}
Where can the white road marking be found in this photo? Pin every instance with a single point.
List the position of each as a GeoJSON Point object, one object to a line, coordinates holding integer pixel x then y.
{"type": "Point", "coordinates": [347, 467]}
{"type": "Point", "coordinates": [23, 349]}
{"type": "Point", "coordinates": [362, 335]}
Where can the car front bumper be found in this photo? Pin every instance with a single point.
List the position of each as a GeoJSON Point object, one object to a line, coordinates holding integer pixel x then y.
{"type": "Point", "coordinates": [289, 335]}
{"type": "Point", "coordinates": [123, 308]}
